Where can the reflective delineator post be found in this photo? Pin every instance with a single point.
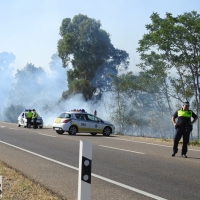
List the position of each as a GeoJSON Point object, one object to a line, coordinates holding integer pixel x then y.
{"type": "Point", "coordinates": [85, 168]}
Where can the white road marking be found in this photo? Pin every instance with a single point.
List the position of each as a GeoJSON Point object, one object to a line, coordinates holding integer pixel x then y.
{"type": "Point", "coordinates": [2, 126]}
{"type": "Point", "coordinates": [121, 149]}
{"type": "Point", "coordinates": [14, 129]}
{"type": "Point", "coordinates": [140, 142]}
{"type": "Point", "coordinates": [161, 145]}
{"type": "Point", "coordinates": [94, 175]}
{"type": "Point", "coordinates": [47, 135]}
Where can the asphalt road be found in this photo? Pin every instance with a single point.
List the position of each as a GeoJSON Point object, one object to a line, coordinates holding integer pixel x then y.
{"type": "Point", "coordinates": [123, 168]}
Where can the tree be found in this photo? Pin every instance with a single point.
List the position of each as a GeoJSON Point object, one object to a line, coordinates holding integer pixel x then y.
{"type": "Point", "coordinates": [176, 41]}
{"type": "Point", "coordinates": [28, 87]}
{"type": "Point", "coordinates": [137, 106]}
{"type": "Point", "coordinates": [88, 49]}
{"type": "Point", "coordinates": [12, 112]}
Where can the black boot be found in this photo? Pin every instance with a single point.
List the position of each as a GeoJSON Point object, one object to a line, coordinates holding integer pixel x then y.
{"type": "Point", "coordinates": [174, 153]}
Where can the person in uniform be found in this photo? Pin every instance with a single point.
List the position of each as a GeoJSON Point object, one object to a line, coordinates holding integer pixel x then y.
{"type": "Point", "coordinates": [34, 117]}
{"type": "Point", "coordinates": [183, 127]}
{"type": "Point", "coordinates": [29, 117]}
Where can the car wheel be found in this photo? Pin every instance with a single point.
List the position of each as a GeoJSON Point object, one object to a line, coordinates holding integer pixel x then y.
{"type": "Point", "coordinates": [24, 124]}
{"type": "Point", "coordinates": [60, 131]}
{"type": "Point", "coordinates": [19, 125]}
{"type": "Point", "coordinates": [41, 126]}
{"type": "Point", "coordinates": [93, 134]}
{"type": "Point", "coordinates": [107, 131]}
{"type": "Point", "coordinates": [73, 130]}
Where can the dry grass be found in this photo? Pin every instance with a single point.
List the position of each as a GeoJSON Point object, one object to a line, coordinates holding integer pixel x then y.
{"type": "Point", "coordinates": [18, 187]}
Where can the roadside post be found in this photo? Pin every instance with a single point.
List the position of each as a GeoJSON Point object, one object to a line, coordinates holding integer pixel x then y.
{"type": "Point", "coordinates": [85, 168]}
{"type": "Point", "coordinates": [0, 186]}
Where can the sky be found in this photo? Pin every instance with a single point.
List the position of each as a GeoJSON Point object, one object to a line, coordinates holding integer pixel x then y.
{"type": "Point", "coordinates": [30, 28]}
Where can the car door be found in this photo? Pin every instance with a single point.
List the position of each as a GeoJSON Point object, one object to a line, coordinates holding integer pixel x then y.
{"type": "Point", "coordinates": [95, 124]}
{"type": "Point", "coordinates": [82, 123]}
{"type": "Point", "coordinates": [22, 119]}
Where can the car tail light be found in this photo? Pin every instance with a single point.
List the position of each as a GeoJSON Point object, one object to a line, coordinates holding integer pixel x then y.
{"type": "Point", "coordinates": [66, 120]}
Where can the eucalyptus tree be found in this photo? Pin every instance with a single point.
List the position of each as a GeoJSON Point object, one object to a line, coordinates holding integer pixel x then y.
{"type": "Point", "coordinates": [87, 50]}
{"type": "Point", "coordinates": [176, 41]}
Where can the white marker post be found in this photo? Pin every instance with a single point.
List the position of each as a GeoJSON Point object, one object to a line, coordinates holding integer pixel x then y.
{"type": "Point", "coordinates": [0, 186]}
{"type": "Point", "coordinates": [85, 168]}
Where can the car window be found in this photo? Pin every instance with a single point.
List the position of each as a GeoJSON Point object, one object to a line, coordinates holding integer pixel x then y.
{"type": "Point", "coordinates": [65, 115]}
{"type": "Point", "coordinates": [80, 116]}
{"type": "Point", "coordinates": [92, 118]}
{"type": "Point", "coordinates": [77, 116]}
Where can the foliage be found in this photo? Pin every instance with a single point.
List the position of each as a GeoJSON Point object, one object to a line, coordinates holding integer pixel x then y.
{"type": "Point", "coordinates": [28, 85]}
{"type": "Point", "coordinates": [12, 112]}
{"type": "Point", "coordinates": [36, 88]}
{"type": "Point", "coordinates": [195, 143]}
{"type": "Point", "coordinates": [119, 133]}
{"type": "Point", "coordinates": [88, 49]}
{"type": "Point", "coordinates": [175, 42]}
{"type": "Point", "coordinates": [136, 109]}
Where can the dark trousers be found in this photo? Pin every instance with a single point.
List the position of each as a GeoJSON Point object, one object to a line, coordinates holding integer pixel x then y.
{"type": "Point", "coordinates": [185, 132]}
{"type": "Point", "coordinates": [29, 122]}
{"type": "Point", "coordinates": [34, 123]}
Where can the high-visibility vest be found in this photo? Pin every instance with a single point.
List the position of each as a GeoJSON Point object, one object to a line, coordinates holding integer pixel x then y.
{"type": "Point", "coordinates": [29, 114]}
{"type": "Point", "coordinates": [35, 115]}
{"type": "Point", "coordinates": [184, 113]}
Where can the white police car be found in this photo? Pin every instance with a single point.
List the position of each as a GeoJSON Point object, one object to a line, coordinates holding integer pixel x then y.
{"type": "Point", "coordinates": [79, 121]}
{"type": "Point", "coordinates": [22, 120]}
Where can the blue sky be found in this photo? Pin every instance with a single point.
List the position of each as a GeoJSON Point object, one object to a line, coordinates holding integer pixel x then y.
{"type": "Point", "coordinates": [30, 28]}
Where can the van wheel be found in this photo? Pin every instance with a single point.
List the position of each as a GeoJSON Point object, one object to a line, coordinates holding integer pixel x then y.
{"type": "Point", "coordinates": [73, 130]}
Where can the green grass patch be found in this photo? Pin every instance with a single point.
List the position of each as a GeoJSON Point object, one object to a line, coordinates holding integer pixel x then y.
{"type": "Point", "coordinates": [195, 143]}
{"type": "Point", "coordinates": [119, 133]}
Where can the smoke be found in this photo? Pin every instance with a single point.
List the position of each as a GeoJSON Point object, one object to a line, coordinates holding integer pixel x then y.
{"type": "Point", "coordinates": [6, 77]}
{"type": "Point", "coordinates": [34, 88]}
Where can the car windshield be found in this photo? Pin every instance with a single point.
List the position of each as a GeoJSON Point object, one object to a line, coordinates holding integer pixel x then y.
{"type": "Point", "coordinates": [65, 115]}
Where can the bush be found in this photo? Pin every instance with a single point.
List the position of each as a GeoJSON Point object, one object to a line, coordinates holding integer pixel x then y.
{"type": "Point", "coordinates": [195, 143]}
{"type": "Point", "coordinates": [119, 133]}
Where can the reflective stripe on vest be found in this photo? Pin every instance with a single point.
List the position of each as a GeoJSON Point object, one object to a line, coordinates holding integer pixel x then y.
{"type": "Point", "coordinates": [184, 113]}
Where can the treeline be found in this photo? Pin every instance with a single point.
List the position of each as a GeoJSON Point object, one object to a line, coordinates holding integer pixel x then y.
{"type": "Point", "coordinates": [139, 104]}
